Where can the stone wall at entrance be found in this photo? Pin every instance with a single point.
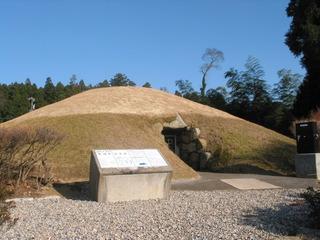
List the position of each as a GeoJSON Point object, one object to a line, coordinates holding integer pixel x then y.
{"type": "Point", "coordinates": [186, 142]}
{"type": "Point", "coordinates": [192, 148]}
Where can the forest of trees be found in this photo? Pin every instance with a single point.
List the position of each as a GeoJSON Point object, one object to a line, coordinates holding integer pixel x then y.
{"type": "Point", "coordinates": [248, 96]}
{"type": "Point", "coordinates": [14, 97]}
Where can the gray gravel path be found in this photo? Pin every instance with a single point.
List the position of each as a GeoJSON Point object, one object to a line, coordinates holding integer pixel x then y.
{"type": "Point", "coordinates": [263, 214]}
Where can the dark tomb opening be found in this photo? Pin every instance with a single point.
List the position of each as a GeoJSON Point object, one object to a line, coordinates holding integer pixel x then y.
{"type": "Point", "coordinates": [186, 144]}
{"type": "Point", "coordinates": [172, 137]}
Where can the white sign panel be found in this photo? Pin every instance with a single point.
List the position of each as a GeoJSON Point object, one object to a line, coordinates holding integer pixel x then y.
{"type": "Point", "coordinates": [130, 158]}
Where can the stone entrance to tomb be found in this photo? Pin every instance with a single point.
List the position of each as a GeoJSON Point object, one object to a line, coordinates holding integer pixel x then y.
{"type": "Point", "coordinates": [185, 141]}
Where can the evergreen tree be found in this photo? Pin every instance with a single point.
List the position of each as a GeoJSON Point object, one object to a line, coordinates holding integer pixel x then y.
{"type": "Point", "coordinates": [82, 86]}
{"type": "Point", "coordinates": [30, 88]}
{"type": "Point", "coordinates": [17, 101]}
{"type": "Point", "coordinates": [104, 83]}
{"type": "Point", "coordinates": [303, 39]}
{"type": "Point", "coordinates": [3, 101]}
{"type": "Point", "coordinates": [121, 80]}
{"type": "Point", "coordinates": [60, 91]}
{"type": "Point", "coordinates": [73, 87]}
{"type": "Point", "coordinates": [49, 91]}
{"type": "Point", "coordinates": [147, 85]}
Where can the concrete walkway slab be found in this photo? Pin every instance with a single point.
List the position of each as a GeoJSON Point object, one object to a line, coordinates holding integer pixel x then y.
{"type": "Point", "coordinates": [210, 181]}
{"type": "Point", "coordinates": [248, 183]}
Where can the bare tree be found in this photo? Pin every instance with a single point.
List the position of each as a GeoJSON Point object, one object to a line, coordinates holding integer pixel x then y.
{"type": "Point", "coordinates": [212, 58]}
{"type": "Point", "coordinates": [23, 150]}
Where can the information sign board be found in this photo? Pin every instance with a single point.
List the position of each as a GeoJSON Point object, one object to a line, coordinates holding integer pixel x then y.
{"type": "Point", "coordinates": [133, 158]}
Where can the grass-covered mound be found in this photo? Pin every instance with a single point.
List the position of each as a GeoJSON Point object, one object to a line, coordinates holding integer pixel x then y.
{"type": "Point", "coordinates": [127, 117]}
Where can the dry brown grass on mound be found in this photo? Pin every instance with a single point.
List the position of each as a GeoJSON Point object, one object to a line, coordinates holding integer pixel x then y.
{"type": "Point", "coordinates": [124, 100]}
{"type": "Point", "coordinates": [245, 143]}
{"type": "Point", "coordinates": [127, 117]}
{"type": "Point", "coordinates": [96, 131]}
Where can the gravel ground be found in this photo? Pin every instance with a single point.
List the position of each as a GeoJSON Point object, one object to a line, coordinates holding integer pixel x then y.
{"type": "Point", "coordinates": [264, 214]}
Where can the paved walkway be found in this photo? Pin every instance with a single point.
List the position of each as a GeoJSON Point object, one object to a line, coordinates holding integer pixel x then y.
{"type": "Point", "coordinates": [223, 181]}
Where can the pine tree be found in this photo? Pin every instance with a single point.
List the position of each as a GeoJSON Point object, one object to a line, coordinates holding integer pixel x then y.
{"type": "Point", "coordinates": [121, 80]}
{"type": "Point", "coordinates": [303, 39]}
{"type": "Point", "coordinates": [49, 91]}
{"type": "Point", "coordinates": [147, 85]}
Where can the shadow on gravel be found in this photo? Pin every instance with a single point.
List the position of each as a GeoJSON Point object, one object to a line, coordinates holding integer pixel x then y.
{"type": "Point", "coordinates": [74, 191]}
{"type": "Point", "coordinates": [284, 219]}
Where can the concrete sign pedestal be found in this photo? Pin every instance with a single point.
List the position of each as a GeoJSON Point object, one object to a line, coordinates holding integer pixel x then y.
{"type": "Point", "coordinates": [124, 175]}
{"type": "Point", "coordinates": [308, 165]}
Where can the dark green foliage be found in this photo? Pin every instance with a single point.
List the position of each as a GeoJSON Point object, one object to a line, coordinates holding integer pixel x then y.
{"type": "Point", "coordinates": [249, 96]}
{"type": "Point", "coordinates": [303, 39]}
{"type": "Point", "coordinates": [60, 91]}
{"type": "Point", "coordinates": [186, 90]}
{"type": "Point", "coordinates": [14, 97]}
{"type": "Point", "coordinates": [286, 90]}
{"type": "Point", "coordinates": [217, 97]}
{"type": "Point", "coordinates": [147, 85]}
{"type": "Point", "coordinates": [184, 87]}
{"type": "Point", "coordinates": [82, 86]}
{"type": "Point", "coordinates": [104, 83]}
{"type": "Point", "coordinates": [312, 197]}
{"type": "Point", "coordinates": [49, 91]}
{"type": "Point", "coordinates": [73, 87]}
{"type": "Point", "coordinates": [164, 89]}
{"type": "Point", "coordinates": [195, 96]}
{"type": "Point", "coordinates": [121, 80]}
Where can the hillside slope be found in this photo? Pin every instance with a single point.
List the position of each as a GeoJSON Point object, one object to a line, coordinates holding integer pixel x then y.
{"type": "Point", "coordinates": [130, 117]}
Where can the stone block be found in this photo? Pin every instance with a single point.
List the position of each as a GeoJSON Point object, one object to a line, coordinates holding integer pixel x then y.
{"type": "Point", "coordinates": [195, 133]}
{"type": "Point", "coordinates": [202, 144]}
{"type": "Point", "coordinates": [308, 165]}
{"type": "Point", "coordinates": [125, 177]}
{"type": "Point", "coordinates": [178, 123]}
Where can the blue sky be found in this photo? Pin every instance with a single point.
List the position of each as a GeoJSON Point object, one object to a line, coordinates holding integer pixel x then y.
{"type": "Point", "coordinates": [157, 41]}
